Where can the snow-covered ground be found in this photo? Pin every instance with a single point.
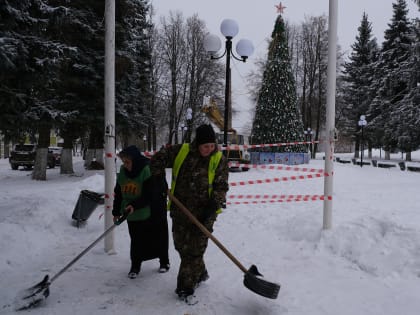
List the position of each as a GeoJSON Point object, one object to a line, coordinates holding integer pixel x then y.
{"type": "Point", "coordinates": [368, 263]}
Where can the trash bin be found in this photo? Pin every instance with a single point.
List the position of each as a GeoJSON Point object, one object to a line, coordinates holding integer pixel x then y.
{"type": "Point", "coordinates": [86, 204]}
{"type": "Point", "coordinates": [402, 165]}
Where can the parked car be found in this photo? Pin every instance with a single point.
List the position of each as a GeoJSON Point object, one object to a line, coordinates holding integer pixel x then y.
{"type": "Point", "coordinates": [24, 155]}
{"type": "Point", "coordinates": [56, 152]}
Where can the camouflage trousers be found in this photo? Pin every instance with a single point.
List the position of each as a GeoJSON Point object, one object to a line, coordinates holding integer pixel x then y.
{"type": "Point", "coordinates": [191, 245]}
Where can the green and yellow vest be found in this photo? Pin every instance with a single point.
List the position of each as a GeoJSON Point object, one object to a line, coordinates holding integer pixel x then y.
{"type": "Point", "coordinates": [132, 188]}
{"type": "Point", "coordinates": [179, 159]}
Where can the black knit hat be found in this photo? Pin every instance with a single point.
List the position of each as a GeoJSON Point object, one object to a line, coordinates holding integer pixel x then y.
{"type": "Point", "coordinates": [205, 134]}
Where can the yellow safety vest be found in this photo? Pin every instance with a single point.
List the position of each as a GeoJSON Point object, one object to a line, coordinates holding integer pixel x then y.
{"type": "Point", "coordinates": [182, 154]}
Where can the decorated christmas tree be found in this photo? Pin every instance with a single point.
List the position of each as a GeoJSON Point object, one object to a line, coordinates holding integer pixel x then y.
{"type": "Point", "coordinates": [277, 117]}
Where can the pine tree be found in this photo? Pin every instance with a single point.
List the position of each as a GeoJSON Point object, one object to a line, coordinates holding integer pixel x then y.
{"type": "Point", "coordinates": [277, 117]}
{"type": "Point", "coordinates": [133, 59]}
{"type": "Point", "coordinates": [406, 112]}
{"type": "Point", "coordinates": [359, 76]}
{"type": "Point", "coordinates": [391, 84]}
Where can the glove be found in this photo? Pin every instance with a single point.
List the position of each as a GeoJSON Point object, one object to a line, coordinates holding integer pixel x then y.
{"type": "Point", "coordinates": [116, 213]}
{"type": "Point", "coordinates": [209, 210]}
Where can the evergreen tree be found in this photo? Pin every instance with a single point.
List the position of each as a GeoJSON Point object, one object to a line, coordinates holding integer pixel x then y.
{"type": "Point", "coordinates": [277, 117]}
{"type": "Point", "coordinates": [133, 72]}
{"type": "Point", "coordinates": [359, 77]}
{"type": "Point", "coordinates": [50, 73]}
{"type": "Point", "coordinates": [391, 79]}
{"type": "Point", "coordinates": [406, 112]}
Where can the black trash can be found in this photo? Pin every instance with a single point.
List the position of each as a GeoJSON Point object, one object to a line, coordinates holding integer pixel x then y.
{"type": "Point", "coordinates": [86, 204]}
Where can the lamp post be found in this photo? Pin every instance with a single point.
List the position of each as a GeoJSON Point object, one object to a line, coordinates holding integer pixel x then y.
{"type": "Point", "coordinates": [188, 117]}
{"type": "Point", "coordinates": [144, 142]}
{"type": "Point", "coordinates": [308, 135]}
{"type": "Point", "coordinates": [183, 128]}
{"type": "Point", "coordinates": [362, 123]}
{"type": "Point", "coordinates": [244, 48]}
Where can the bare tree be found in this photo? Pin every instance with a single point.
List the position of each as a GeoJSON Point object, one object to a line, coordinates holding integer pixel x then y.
{"type": "Point", "coordinates": [186, 71]}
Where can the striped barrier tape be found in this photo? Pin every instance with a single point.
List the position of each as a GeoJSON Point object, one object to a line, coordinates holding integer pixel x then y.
{"type": "Point", "coordinates": [276, 180]}
{"type": "Point", "coordinates": [289, 198]}
{"type": "Point", "coordinates": [266, 145]}
{"type": "Point", "coordinates": [250, 146]}
{"type": "Point", "coordinates": [276, 167]}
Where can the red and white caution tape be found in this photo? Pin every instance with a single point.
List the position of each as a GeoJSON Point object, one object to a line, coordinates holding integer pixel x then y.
{"type": "Point", "coordinates": [276, 167]}
{"type": "Point", "coordinates": [275, 180]}
{"type": "Point", "coordinates": [287, 198]}
{"type": "Point", "coordinates": [250, 146]}
{"type": "Point", "coordinates": [266, 145]}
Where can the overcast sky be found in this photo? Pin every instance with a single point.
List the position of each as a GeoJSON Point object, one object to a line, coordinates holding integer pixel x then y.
{"type": "Point", "coordinates": [256, 21]}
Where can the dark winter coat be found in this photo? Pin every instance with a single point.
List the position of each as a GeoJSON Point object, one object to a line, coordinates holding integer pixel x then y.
{"type": "Point", "coordinates": [192, 182]}
{"type": "Point", "coordinates": [192, 190]}
{"type": "Point", "coordinates": [149, 236]}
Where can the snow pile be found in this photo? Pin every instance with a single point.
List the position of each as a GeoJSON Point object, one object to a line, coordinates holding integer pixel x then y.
{"type": "Point", "coordinates": [368, 263]}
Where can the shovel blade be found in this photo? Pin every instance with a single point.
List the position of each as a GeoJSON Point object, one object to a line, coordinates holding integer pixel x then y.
{"type": "Point", "coordinates": [253, 280]}
{"type": "Point", "coordinates": [33, 296]}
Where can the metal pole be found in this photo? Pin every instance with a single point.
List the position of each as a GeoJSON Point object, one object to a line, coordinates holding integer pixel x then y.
{"type": "Point", "coordinates": [330, 121]}
{"type": "Point", "coordinates": [362, 150]}
{"type": "Point", "coordinates": [227, 90]}
{"type": "Point", "coordinates": [109, 121]}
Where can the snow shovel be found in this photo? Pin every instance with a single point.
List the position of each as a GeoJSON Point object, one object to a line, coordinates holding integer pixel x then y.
{"type": "Point", "coordinates": [33, 296]}
{"type": "Point", "coordinates": [252, 279]}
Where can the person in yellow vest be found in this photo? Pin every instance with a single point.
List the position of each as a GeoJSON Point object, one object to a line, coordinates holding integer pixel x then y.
{"type": "Point", "coordinates": [200, 181]}
{"type": "Point", "coordinates": [139, 194]}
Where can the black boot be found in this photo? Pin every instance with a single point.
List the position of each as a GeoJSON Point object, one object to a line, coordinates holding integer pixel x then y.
{"type": "Point", "coordinates": [164, 268]}
{"type": "Point", "coordinates": [204, 276]}
{"type": "Point", "coordinates": [186, 295]}
{"type": "Point", "coordinates": [134, 272]}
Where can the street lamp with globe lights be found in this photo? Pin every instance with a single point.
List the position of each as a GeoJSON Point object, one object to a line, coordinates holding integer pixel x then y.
{"type": "Point", "coordinates": [244, 48]}
{"type": "Point", "coordinates": [362, 123]}
{"type": "Point", "coordinates": [183, 128]}
{"type": "Point", "coordinates": [144, 142]}
{"type": "Point", "coordinates": [308, 134]}
{"type": "Point", "coordinates": [188, 117]}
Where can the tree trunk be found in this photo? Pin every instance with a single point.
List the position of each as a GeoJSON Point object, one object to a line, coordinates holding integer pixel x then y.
{"type": "Point", "coordinates": [95, 151]}
{"type": "Point", "coordinates": [40, 167]}
{"type": "Point", "coordinates": [66, 160]}
{"type": "Point", "coordinates": [6, 146]}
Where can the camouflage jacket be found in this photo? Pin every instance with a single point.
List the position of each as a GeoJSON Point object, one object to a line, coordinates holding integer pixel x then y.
{"type": "Point", "coordinates": [192, 181]}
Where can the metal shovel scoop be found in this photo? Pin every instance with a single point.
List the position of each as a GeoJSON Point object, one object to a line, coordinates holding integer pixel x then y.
{"type": "Point", "coordinates": [33, 296]}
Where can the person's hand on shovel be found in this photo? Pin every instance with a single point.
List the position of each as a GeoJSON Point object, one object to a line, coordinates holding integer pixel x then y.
{"type": "Point", "coordinates": [128, 210]}
{"type": "Point", "coordinates": [209, 211]}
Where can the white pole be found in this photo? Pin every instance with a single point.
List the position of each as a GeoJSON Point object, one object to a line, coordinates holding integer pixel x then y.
{"type": "Point", "coordinates": [109, 120]}
{"type": "Point", "coordinates": [330, 122]}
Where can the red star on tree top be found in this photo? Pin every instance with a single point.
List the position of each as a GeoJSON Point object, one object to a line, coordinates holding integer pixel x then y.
{"type": "Point", "coordinates": [280, 8]}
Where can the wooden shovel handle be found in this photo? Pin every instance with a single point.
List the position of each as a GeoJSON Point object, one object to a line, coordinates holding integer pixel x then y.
{"type": "Point", "coordinates": [205, 231]}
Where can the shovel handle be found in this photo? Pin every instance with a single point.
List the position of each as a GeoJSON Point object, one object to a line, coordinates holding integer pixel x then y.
{"type": "Point", "coordinates": [118, 222]}
{"type": "Point", "coordinates": [205, 231]}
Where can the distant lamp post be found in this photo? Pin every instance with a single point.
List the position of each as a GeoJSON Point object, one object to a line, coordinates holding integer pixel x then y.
{"type": "Point", "coordinates": [144, 142]}
{"type": "Point", "coordinates": [244, 48]}
{"type": "Point", "coordinates": [308, 138]}
{"type": "Point", "coordinates": [362, 124]}
{"type": "Point", "coordinates": [183, 128]}
{"type": "Point", "coordinates": [188, 117]}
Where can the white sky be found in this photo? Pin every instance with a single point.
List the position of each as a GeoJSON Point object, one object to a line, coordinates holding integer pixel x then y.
{"type": "Point", "coordinates": [256, 21]}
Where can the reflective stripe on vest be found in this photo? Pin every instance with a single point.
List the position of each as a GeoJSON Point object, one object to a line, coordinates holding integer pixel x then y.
{"type": "Point", "coordinates": [179, 159]}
